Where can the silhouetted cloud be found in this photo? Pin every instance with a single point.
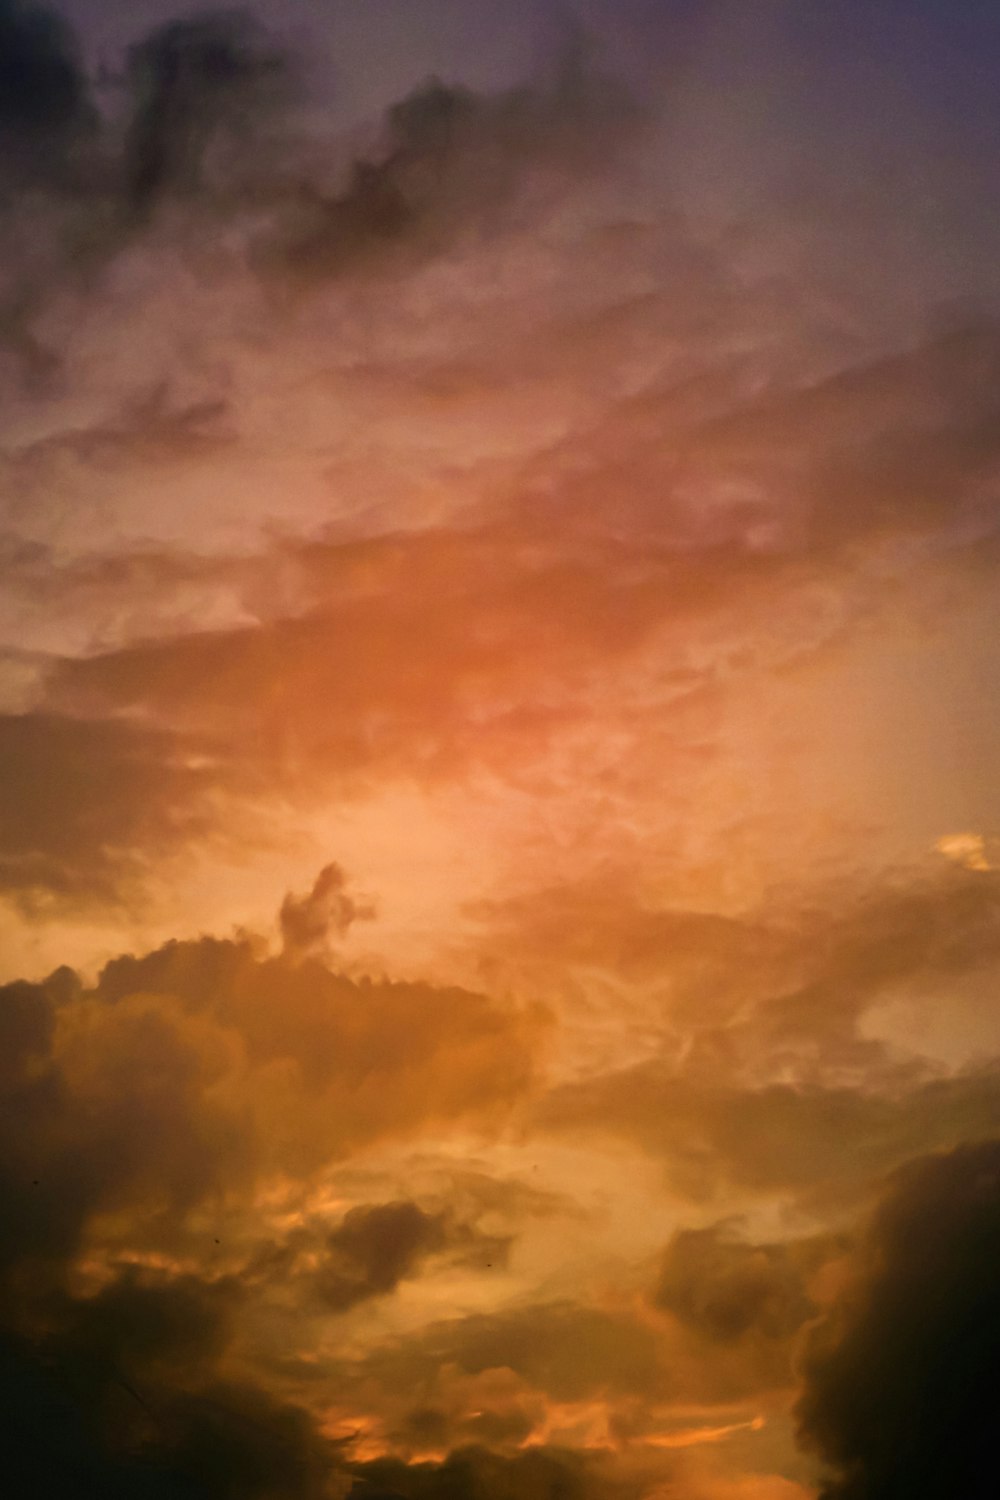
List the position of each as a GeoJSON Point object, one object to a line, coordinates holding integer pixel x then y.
{"type": "Point", "coordinates": [327, 912]}
{"type": "Point", "coordinates": [901, 1375]}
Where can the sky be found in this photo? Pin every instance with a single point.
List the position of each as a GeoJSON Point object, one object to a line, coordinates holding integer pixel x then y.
{"type": "Point", "coordinates": [499, 833]}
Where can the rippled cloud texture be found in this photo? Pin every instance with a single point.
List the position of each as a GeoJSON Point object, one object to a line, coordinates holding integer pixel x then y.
{"type": "Point", "coordinates": [499, 833]}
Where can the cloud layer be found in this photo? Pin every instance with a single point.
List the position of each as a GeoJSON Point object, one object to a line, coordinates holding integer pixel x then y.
{"type": "Point", "coordinates": [501, 930]}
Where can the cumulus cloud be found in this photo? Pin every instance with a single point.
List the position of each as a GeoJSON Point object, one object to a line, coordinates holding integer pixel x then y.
{"type": "Point", "coordinates": [171, 1084]}
{"type": "Point", "coordinates": [900, 1375]}
{"type": "Point", "coordinates": [145, 1114]}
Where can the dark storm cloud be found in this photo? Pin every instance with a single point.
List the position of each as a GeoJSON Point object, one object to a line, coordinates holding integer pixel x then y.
{"type": "Point", "coordinates": [44, 94]}
{"type": "Point", "coordinates": [136, 1118]}
{"type": "Point", "coordinates": [116, 1391]}
{"type": "Point", "coordinates": [186, 1075]}
{"type": "Point", "coordinates": [119, 1396]}
{"type": "Point", "coordinates": [207, 110]}
{"type": "Point", "coordinates": [901, 1376]}
{"type": "Point", "coordinates": [195, 84]}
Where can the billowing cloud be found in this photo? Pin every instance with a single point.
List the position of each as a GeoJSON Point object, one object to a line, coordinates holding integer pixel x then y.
{"type": "Point", "coordinates": [146, 1115]}
{"type": "Point", "coordinates": [900, 1375]}
{"type": "Point", "coordinates": [121, 1393]}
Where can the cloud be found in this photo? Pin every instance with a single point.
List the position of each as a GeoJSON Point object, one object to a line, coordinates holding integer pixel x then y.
{"type": "Point", "coordinates": [568, 1351]}
{"type": "Point", "coordinates": [90, 803]}
{"type": "Point", "coordinates": [971, 850]}
{"type": "Point", "coordinates": [196, 85]}
{"type": "Point", "coordinates": [331, 1063]}
{"type": "Point", "coordinates": [374, 1249]}
{"type": "Point", "coordinates": [452, 157]}
{"type": "Point", "coordinates": [793, 991]}
{"type": "Point", "coordinates": [435, 460]}
{"type": "Point", "coordinates": [726, 1289]}
{"type": "Point", "coordinates": [44, 93]}
{"type": "Point", "coordinates": [822, 1145]}
{"type": "Point", "coordinates": [542, 1473]}
{"type": "Point", "coordinates": [120, 1395]}
{"type": "Point", "coordinates": [900, 1375]}
{"type": "Point", "coordinates": [148, 1116]}
{"type": "Point", "coordinates": [185, 1077]}
{"type": "Point", "coordinates": [308, 923]}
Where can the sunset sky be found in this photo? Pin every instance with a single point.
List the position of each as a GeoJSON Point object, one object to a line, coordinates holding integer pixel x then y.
{"type": "Point", "coordinates": [499, 733]}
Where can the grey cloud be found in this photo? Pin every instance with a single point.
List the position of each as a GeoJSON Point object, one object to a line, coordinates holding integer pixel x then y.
{"type": "Point", "coordinates": [193, 84]}
{"type": "Point", "coordinates": [44, 93]}
{"type": "Point", "coordinates": [885, 444]}
{"type": "Point", "coordinates": [451, 156]}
